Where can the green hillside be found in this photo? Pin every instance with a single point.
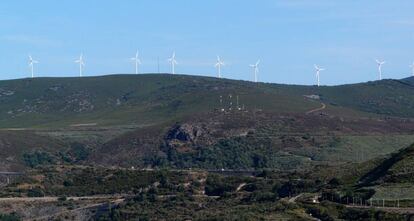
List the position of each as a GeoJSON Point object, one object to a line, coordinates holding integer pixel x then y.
{"type": "Point", "coordinates": [154, 98]}
{"type": "Point", "coordinates": [393, 176]}
{"type": "Point", "coordinates": [132, 99]}
{"type": "Point", "coordinates": [183, 121]}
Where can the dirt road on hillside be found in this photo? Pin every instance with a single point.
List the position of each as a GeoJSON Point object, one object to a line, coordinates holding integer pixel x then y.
{"type": "Point", "coordinates": [317, 109]}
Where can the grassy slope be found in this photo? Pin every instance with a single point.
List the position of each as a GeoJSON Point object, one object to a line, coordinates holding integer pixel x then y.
{"type": "Point", "coordinates": [155, 98]}
{"type": "Point", "coordinates": [14, 144]}
{"type": "Point", "coordinates": [126, 99]}
{"type": "Point", "coordinates": [160, 99]}
{"type": "Point", "coordinates": [392, 177]}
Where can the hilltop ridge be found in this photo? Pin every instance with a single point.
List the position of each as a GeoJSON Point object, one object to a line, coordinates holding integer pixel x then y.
{"type": "Point", "coordinates": [155, 98]}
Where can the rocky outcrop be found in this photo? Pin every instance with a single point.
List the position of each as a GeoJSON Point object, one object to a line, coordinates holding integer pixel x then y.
{"type": "Point", "coordinates": [185, 137]}
{"type": "Point", "coordinates": [184, 133]}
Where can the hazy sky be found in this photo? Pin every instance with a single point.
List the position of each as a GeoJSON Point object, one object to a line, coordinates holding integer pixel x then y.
{"type": "Point", "coordinates": [288, 36]}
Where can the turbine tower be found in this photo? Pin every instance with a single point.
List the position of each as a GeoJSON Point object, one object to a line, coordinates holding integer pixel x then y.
{"type": "Point", "coordinates": [318, 70]}
{"type": "Point", "coordinates": [255, 69]}
{"type": "Point", "coordinates": [380, 63]}
{"type": "Point", "coordinates": [81, 64]}
{"type": "Point", "coordinates": [412, 69]}
{"type": "Point", "coordinates": [173, 62]}
{"type": "Point", "coordinates": [137, 61]}
{"type": "Point", "coordinates": [31, 64]}
{"type": "Point", "coordinates": [218, 66]}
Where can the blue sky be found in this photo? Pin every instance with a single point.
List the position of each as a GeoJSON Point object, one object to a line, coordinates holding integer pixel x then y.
{"type": "Point", "coordinates": [288, 36]}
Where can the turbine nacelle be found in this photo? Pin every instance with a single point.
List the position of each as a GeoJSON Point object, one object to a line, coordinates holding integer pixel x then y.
{"type": "Point", "coordinates": [136, 58]}
{"type": "Point", "coordinates": [32, 61]}
{"type": "Point", "coordinates": [380, 63]}
{"type": "Point", "coordinates": [172, 59]}
{"type": "Point", "coordinates": [255, 65]}
{"type": "Point", "coordinates": [318, 69]}
{"type": "Point", "coordinates": [219, 62]}
{"type": "Point", "coordinates": [80, 60]}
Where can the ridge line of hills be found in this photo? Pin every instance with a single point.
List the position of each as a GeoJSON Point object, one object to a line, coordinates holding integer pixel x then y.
{"type": "Point", "coordinates": [121, 99]}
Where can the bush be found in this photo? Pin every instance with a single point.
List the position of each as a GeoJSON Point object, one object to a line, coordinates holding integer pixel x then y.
{"type": "Point", "coordinates": [62, 198]}
{"type": "Point", "coordinates": [79, 151]}
{"type": "Point", "coordinates": [320, 213]}
{"type": "Point", "coordinates": [9, 217]}
{"type": "Point", "coordinates": [215, 186]}
{"type": "Point", "coordinates": [35, 192]}
{"type": "Point", "coordinates": [38, 158]}
{"type": "Point", "coordinates": [259, 196]}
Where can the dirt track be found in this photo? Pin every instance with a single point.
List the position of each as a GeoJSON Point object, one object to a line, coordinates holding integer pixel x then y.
{"type": "Point", "coordinates": [317, 109]}
{"type": "Point", "coordinates": [54, 199]}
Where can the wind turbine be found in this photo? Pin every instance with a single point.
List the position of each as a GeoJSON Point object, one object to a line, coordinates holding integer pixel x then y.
{"type": "Point", "coordinates": [318, 70]}
{"type": "Point", "coordinates": [31, 64]}
{"type": "Point", "coordinates": [218, 66]}
{"type": "Point", "coordinates": [173, 62]}
{"type": "Point", "coordinates": [137, 61]}
{"type": "Point", "coordinates": [412, 68]}
{"type": "Point", "coordinates": [380, 63]}
{"type": "Point", "coordinates": [81, 64]}
{"type": "Point", "coordinates": [255, 69]}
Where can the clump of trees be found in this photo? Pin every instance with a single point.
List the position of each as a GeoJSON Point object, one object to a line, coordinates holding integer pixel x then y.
{"type": "Point", "coordinates": [38, 158]}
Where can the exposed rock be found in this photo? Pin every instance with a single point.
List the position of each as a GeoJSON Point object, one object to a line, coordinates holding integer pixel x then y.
{"type": "Point", "coordinates": [55, 88]}
{"type": "Point", "coordinates": [184, 133]}
{"type": "Point", "coordinates": [4, 92]}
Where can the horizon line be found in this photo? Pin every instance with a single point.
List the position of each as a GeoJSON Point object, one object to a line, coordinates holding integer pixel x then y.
{"type": "Point", "coordinates": [192, 75]}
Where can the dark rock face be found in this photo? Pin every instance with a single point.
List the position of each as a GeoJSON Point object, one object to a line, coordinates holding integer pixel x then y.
{"type": "Point", "coordinates": [184, 133]}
